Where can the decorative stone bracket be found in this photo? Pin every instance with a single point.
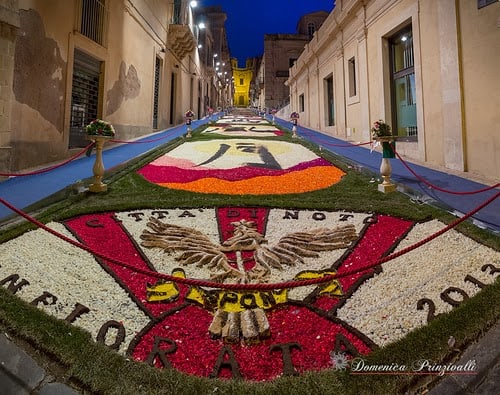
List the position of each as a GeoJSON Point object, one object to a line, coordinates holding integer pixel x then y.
{"type": "Point", "coordinates": [180, 40]}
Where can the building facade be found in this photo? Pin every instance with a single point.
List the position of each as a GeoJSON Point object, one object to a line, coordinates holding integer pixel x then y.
{"type": "Point", "coordinates": [428, 68]}
{"type": "Point", "coordinates": [215, 56]}
{"type": "Point", "coordinates": [134, 63]}
{"type": "Point", "coordinates": [242, 79]}
{"type": "Point", "coordinates": [280, 53]}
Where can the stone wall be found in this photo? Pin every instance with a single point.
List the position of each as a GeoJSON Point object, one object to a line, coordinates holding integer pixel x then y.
{"type": "Point", "coordinates": [9, 23]}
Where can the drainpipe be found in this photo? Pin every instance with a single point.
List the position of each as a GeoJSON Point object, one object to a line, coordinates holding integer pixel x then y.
{"type": "Point", "coordinates": [461, 82]}
{"type": "Point", "coordinates": [344, 87]}
{"type": "Point", "coordinates": [367, 65]}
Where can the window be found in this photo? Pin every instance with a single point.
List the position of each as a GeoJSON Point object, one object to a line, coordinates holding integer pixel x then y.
{"type": "Point", "coordinates": [84, 97]}
{"type": "Point", "coordinates": [156, 92]}
{"type": "Point", "coordinates": [301, 103]}
{"type": "Point", "coordinates": [351, 71]}
{"type": "Point", "coordinates": [484, 3]}
{"type": "Point", "coordinates": [329, 103]}
{"type": "Point", "coordinates": [242, 82]}
{"type": "Point", "coordinates": [311, 28]}
{"type": "Point", "coordinates": [93, 20]}
{"type": "Point", "coordinates": [403, 92]}
{"type": "Point", "coordinates": [176, 18]}
{"type": "Point", "coordinates": [173, 89]}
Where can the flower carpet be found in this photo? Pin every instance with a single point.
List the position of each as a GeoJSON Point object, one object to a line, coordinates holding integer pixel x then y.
{"type": "Point", "coordinates": [219, 291]}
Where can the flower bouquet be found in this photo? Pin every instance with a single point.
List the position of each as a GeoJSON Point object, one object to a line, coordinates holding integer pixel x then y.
{"type": "Point", "coordinates": [99, 127]}
{"type": "Point", "coordinates": [381, 129]}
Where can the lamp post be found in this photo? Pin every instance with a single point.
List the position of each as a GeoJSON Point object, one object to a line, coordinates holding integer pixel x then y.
{"type": "Point", "coordinates": [294, 116]}
{"type": "Point", "coordinates": [189, 117]}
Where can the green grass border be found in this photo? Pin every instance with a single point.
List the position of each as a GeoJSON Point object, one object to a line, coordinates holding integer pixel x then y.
{"type": "Point", "coordinates": [94, 368]}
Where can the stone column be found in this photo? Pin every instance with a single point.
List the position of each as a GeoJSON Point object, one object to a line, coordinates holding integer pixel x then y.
{"type": "Point", "coordinates": [9, 24]}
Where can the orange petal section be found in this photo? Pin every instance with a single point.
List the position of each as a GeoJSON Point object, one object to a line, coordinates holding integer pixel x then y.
{"type": "Point", "coordinates": [307, 180]}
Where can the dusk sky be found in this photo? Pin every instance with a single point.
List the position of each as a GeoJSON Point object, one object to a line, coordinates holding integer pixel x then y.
{"type": "Point", "coordinates": [248, 21]}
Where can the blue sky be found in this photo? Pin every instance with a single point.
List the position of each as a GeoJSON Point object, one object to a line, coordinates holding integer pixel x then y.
{"type": "Point", "coordinates": [248, 21]}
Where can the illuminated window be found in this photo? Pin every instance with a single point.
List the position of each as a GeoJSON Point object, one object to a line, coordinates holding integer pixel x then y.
{"type": "Point", "coordinates": [403, 90]}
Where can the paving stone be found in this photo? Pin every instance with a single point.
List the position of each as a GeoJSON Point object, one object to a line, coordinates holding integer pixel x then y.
{"type": "Point", "coordinates": [491, 383]}
{"type": "Point", "coordinates": [19, 373]}
{"type": "Point", "coordinates": [56, 389]}
{"type": "Point", "coordinates": [448, 386]}
{"type": "Point", "coordinates": [486, 354]}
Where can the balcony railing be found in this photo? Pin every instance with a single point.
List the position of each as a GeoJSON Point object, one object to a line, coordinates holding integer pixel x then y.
{"type": "Point", "coordinates": [93, 20]}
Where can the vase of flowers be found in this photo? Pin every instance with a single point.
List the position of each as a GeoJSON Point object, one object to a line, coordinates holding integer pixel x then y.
{"type": "Point", "coordinates": [294, 116]}
{"type": "Point", "coordinates": [100, 128]}
{"type": "Point", "coordinates": [382, 132]}
{"type": "Point", "coordinates": [189, 115]}
{"type": "Point", "coordinates": [381, 129]}
{"type": "Point", "coordinates": [99, 131]}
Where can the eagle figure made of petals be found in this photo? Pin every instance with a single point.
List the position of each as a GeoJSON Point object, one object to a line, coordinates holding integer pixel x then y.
{"type": "Point", "coordinates": [192, 247]}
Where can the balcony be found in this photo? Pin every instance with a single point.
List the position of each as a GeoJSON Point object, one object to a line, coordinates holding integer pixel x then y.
{"type": "Point", "coordinates": [180, 40]}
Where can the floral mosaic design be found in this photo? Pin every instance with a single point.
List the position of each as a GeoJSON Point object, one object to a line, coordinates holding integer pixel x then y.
{"type": "Point", "coordinates": [242, 166]}
{"type": "Point", "coordinates": [247, 130]}
{"type": "Point", "coordinates": [167, 325]}
{"type": "Point", "coordinates": [123, 299]}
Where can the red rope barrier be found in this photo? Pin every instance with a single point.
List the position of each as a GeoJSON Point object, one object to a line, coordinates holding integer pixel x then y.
{"type": "Point", "coordinates": [45, 170]}
{"type": "Point", "coordinates": [289, 284]}
{"type": "Point", "coordinates": [144, 141]}
{"type": "Point", "coordinates": [418, 177]}
{"type": "Point", "coordinates": [49, 168]}
{"type": "Point", "coordinates": [489, 188]}
{"type": "Point", "coordinates": [349, 145]}
{"type": "Point", "coordinates": [141, 141]}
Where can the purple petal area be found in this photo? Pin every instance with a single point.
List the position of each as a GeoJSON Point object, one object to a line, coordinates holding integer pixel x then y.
{"type": "Point", "coordinates": [162, 174]}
